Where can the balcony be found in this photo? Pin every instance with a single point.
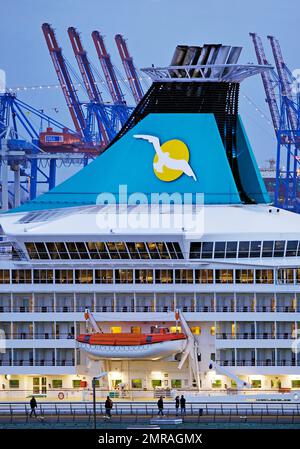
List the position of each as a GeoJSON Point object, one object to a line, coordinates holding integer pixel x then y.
{"type": "Point", "coordinates": [226, 362]}
{"type": "Point", "coordinates": [266, 362]}
{"type": "Point", "coordinates": [237, 336]}
{"type": "Point", "coordinates": [265, 309]}
{"type": "Point", "coordinates": [245, 362]}
{"type": "Point", "coordinates": [225, 309]}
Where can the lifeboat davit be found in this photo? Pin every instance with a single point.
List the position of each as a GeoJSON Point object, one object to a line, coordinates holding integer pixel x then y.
{"type": "Point", "coordinates": [131, 346]}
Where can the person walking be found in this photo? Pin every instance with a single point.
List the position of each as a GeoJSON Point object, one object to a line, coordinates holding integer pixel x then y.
{"type": "Point", "coordinates": [33, 406]}
{"type": "Point", "coordinates": [160, 405]}
{"type": "Point", "coordinates": [177, 404]}
{"type": "Point", "coordinates": [182, 405]}
{"type": "Point", "coordinates": [108, 407]}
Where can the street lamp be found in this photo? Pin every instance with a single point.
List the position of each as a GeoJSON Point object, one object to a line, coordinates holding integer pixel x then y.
{"type": "Point", "coordinates": [94, 396]}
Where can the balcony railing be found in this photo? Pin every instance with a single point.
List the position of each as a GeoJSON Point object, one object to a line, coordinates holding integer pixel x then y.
{"type": "Point", "coordinates": [226, 362]}
{"type": "Point", "coordinates": [238, 335]}
{"type": "Point", "coordinates": [224, 308]}
{"type": "Point", "coordinates": [245, 362]}
{"type": "Point", "coordinates": [265, 309]}
{"type": "Point", "coordinates": [285, 362]}
{"type": "Point", "coordinates": [285, 309]}
{"type": "Point", "coordinates": [258, 335]}
{"type": "Point", "coordinates": [39, 335]}
{"type": "Point", "coordinates": [26, 308]}
{"type": "Point", "coordinates": [266, 362]}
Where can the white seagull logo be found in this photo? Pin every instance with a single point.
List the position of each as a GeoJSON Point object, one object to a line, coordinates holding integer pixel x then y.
{"type": "Point", "coordinates": [164, 158]}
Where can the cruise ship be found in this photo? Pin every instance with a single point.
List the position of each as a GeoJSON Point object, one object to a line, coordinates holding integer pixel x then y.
{"type": "Point", "coordinates": [112, 243]}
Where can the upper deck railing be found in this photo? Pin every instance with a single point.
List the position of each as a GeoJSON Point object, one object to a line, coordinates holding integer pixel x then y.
{"type": "Point", "coordinates": [229, 73]}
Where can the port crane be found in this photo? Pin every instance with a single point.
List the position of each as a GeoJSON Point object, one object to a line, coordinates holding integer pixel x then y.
{"type": "Point", "coordinates": [106, 131]}
{"type": "Point", "coordinates": [113, 84]}
{"type": "Point", "coordinates": [285, 114]}
{"type": "Point", "coordinates": [28, 153]}
{"type": "Point", "coordinates": [130, 69]}
{"type": "Point", "coordinates": [66, 83]}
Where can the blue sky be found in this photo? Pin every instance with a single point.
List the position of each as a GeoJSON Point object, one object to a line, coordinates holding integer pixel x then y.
{"type": "Point", "coordinates": [153, 29]}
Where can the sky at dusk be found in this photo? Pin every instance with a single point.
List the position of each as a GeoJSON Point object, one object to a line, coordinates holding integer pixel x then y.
{"type": "Point", "coordinates": [153, 29]}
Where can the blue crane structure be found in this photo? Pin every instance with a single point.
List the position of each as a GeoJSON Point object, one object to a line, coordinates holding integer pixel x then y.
{"type": "Point", "coordinates": [33, 144]}
{"type": "Point", "coordinates": [130, 69]}
{"type": "Point", "coordinates": [25, 152]}
{"type": "Point", "coordinates": [283, 98]}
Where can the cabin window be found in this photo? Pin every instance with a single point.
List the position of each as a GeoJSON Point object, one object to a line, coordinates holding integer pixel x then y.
{"type": "Point", "coordinates": [255, 248]}
{"type": "Point", "coordinates": [291, 248]}
{"type": "Point", "coordinates": [176, 383]}
{"type": "Point", "coordinates": [116, 329]}
{"type": "Point", "coordinates": [72, 249]}
{"type": "Point", "coordinates": [122, 250]}
{"type": "Point", "coordinates": [57, 383]}
{"type": "Point", "coordinates": [136, 383]}
{"type": "Point", "coordinates": [231, 249]}
{"type": "Point", "coordinates": [244, 276]}
{"type": "Point", "coordinates": [207, 250]}
{"type": "Point", "coordinates": [143, 276]}
{"type": "Point", "coordinates": [76, 383]}
{"type": "Point", "coordinates": [83, 276]}
{"type": "Point", "coordinates": [243, 249]}
{"type": "Point", "coordinates": [195, 250]}
{"type": "Point", "coordinates": [124, 276]}
{"type": "Point", "coordinates": [224, 276]}
{"type": "Point", "coordinates": [14, 383]}
{"type": "Point", "coordinates": [196, 330]}
{"type": "Point", "coordinates": [184, 276]}
{"type": "Point", "coordinates": [264, 277]}
{"type": "Point", "coordinates": [295, 383]}
{"type": "Point", "coordinates": [32, 251]}
{"type": "Point", "coordinates": [175, 330]}
{"type": "Point", "coordinates": [156, 383]}
{"type": "Point", "coordinates": [267, 250]}
{"type": "Point", "coordinates": [213, 330]}
{"type": "Point", "coordinates": [64, 276]}
{"type": "Point", "coordinates": [204, 276]}
{"type": "Point", "coordinates": [256, 383]}
{"type": "Point", "coordinates": [4, 277]}
{"type": "Point", "coordinates": [220, 250]}
{"type": "Point", "coordinates": [217, 383]}
{"type": "Point", "coordinates": [164, 276]}
{"type": "Point", "coordinates": [21, 277]}
{"type": "Point", "coordinates": [135, 329]}
{"type": "Point", "coordinates": [104, 276]}
{"type": "Point", "coordinates": [279, 248]}
{"type": "Point", "coordinates": [43, 276]}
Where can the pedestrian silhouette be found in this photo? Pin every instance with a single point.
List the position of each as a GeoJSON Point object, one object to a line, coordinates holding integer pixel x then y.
{"type": "Point", "coordinates": [108, 407]}
{"type": "Point", "coordinates": [177, 404]}
{"type": "Point", "coordinates": [160, 405]}
{"type": "Point", "coordinates": [182, 405]}
{"type": "Point", "coordinates": [33, 406]}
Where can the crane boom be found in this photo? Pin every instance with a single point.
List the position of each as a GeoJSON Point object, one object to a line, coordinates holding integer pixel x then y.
{"type": "Point", "coordinates": [88, 79]}
{"type": "Point", "coordinates": [130, 70]}
{"type": "Point", "coordinates": [286, 87]}
{"type": "Point", "coordinates": [108, 69]}
{"type": "Point", "coordinates": [267, 81]}
{"type": "Point", "coordinates": [65, 80]}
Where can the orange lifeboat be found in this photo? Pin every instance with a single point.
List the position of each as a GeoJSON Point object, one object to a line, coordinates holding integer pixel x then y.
{"type": "Point", "coordinates": [131, 346]}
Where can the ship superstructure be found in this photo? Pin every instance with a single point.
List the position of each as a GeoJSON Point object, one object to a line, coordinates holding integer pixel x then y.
{"type": "Point", "coordinates": [94, 242]}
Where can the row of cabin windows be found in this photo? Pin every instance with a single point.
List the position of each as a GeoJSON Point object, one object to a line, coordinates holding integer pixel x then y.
{"type": "Point", "coordinates": [103, 250]}
{"type": "Point", "coordinates": [149, 276]}
{"type": "Point", "coordinates": [138, 383]}
{"type": "Point", "coordinates": [244, 249]}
